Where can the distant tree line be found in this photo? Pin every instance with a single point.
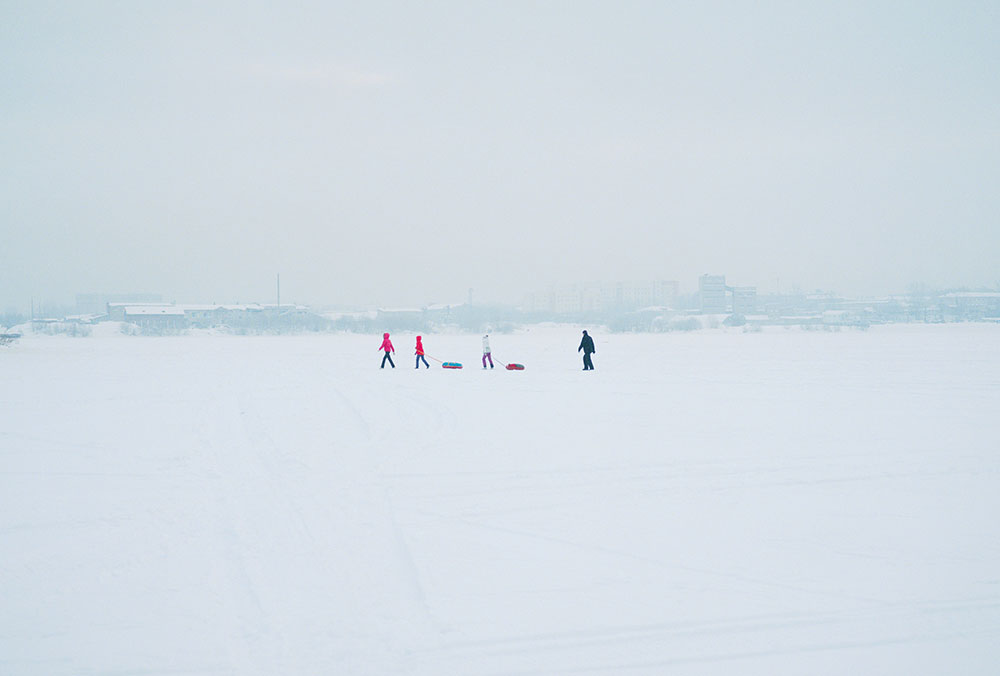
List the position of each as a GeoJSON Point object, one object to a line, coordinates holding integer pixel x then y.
{"type": "Point", "coordinates": [8, 319]}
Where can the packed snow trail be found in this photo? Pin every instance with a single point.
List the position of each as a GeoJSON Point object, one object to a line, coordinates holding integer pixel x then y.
{"type": "Point", "coordinates": [783, 502]}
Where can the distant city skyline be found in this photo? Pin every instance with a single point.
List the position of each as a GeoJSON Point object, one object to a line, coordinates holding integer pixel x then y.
{"type": "Point", "coordinates": [643, 307]}
{"type": "Point", "coordinates": [597, 295]}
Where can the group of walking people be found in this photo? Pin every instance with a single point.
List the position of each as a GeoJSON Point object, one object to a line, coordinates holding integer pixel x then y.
{"type": "Point", "coordinates": [389, 350]}
{"type": "Point", "coordinates": [586, 345]}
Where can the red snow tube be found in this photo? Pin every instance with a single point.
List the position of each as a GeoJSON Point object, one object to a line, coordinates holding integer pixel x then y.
{"type": "Point", "coordinates": [451, 365]}
{"type": "Point", "coordinates": [515, 367]}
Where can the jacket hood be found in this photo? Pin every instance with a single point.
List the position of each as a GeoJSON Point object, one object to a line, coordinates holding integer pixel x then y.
{"type": "Point", "coordinates": [418, 339]}
{"type": "Point", "coordinates": [385, 335]}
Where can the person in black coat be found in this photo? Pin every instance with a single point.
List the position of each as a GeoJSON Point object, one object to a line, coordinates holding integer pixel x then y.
{"type": "Point", "coordinates": [587, 345]}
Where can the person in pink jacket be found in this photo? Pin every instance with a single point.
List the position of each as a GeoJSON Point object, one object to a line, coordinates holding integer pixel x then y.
{"type": "Point", "coordinates": [387, 346]}
{"type": "Point", "coordinates": [420, 353]}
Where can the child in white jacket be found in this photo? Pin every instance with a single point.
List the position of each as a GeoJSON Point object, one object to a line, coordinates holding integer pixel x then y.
{"type": "Point", "coordinates": [486, 351]}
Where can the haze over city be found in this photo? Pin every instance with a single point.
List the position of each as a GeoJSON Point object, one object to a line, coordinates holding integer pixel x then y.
{"type": "Point", "coordinates": [393, 153]}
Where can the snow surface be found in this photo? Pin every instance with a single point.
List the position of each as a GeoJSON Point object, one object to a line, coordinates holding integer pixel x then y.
{"type": "Point", "coordinates": [785, 502]}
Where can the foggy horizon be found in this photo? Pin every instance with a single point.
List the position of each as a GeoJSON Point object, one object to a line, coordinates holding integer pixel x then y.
{"type": "Point", "coordinates": [777, 288]}
{"type": "Point", "coordinates": [397, 155]}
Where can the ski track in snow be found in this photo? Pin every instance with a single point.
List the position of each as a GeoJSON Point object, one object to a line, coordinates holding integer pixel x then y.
{"type": "Point", "coordinates": [779, 503]}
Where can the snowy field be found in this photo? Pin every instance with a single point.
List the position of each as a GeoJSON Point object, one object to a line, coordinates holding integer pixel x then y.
{"type": "Point", "coordinates": [785, 502]}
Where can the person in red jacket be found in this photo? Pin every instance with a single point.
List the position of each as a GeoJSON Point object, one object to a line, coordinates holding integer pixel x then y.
{"type": "Point", "coordinates": [420, 354]}
{"type": "Point", "coordinates": [387, 346]}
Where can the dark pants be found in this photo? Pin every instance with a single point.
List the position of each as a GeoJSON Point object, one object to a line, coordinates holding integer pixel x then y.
{"type": "Point", "coordinates": [389, 358]}
{"type": "Point", "coordinates": [587, 364]}
{"type": "Point", "coordinates": [419, 357]}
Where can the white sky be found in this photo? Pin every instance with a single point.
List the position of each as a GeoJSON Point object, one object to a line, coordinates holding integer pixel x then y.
{"type": "Point", "coordinates": [400, 153]}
